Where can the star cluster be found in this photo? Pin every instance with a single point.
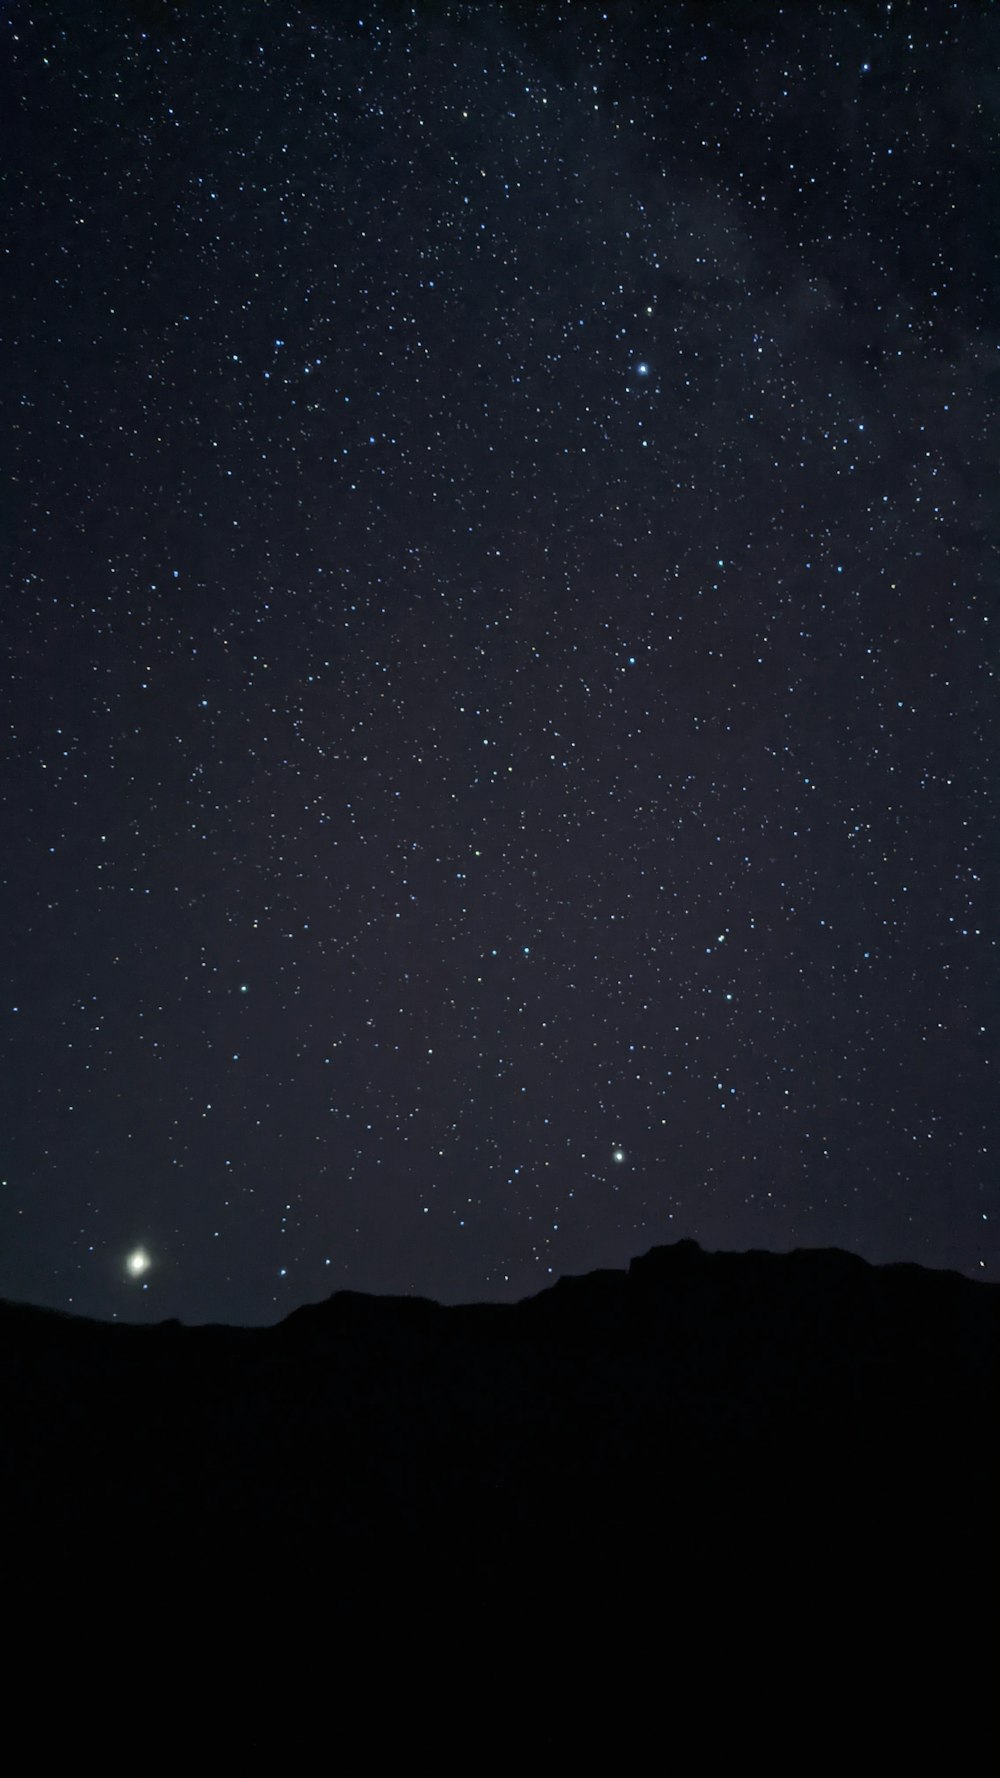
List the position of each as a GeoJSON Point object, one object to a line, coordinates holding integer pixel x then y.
{"type": "Point", "coordinates": [497, 678]}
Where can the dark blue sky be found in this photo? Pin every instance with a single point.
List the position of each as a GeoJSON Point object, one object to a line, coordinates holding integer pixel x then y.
{"type": "Point", "coordinates": [496, 669]}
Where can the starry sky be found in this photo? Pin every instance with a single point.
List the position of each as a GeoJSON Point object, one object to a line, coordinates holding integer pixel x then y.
{"type": "Point", "coordinates": [497, 687]}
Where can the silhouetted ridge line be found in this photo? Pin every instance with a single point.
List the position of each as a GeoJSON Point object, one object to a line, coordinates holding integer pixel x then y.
{"type": "Point", "coordinates": [760, 1401]}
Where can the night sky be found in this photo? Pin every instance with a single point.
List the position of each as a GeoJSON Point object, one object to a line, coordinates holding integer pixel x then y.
{"type": "Point", "coordinates": [497, 687]}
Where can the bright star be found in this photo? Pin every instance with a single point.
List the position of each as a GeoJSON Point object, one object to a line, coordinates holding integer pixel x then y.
{"type": "Point", "coordinates": [617, 1154]}
{"type": "Point", "coordinates": [138, 1262]}
{"type": "Point", "coordinates": [642, 370]}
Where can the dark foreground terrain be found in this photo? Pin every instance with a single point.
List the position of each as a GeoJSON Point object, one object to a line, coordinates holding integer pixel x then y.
{"type": "Point", "coordinates": [694, 1393]}
{"type": "Point", "coordinates": [800, 1443]}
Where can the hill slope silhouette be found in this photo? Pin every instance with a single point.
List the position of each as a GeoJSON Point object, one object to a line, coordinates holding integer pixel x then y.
{"type": "Point", "coordinates": [697, 1408]}
{"type": "Point", "coordinates": [713, 1502]}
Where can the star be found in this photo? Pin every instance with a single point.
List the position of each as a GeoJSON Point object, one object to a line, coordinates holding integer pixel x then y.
{"type": "Point", "coordinates": [137, 1262]}
{"type": "Point", "coordinates": [618, 1154]}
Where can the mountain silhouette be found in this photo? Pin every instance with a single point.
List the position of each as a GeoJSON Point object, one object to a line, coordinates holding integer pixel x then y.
{"type": "Point", "coordinates": [693, 1387]}
{"type": "Point", "coordinates": [707, 1465]}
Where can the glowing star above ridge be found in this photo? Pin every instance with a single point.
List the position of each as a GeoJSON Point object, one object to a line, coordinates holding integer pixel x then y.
{"type": "Point", "coordinates": [138, 1262]}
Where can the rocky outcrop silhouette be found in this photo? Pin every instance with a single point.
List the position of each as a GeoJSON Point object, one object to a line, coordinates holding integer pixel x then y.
{"type": "Point", "coordinates": [808, 1403]}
